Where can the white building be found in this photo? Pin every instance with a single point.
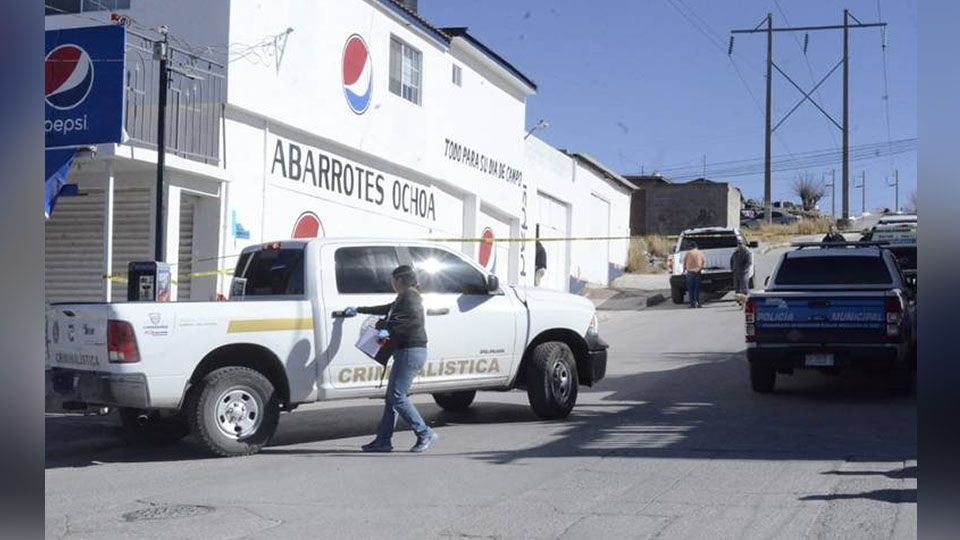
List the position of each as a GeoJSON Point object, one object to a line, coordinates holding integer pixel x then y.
{"type": "Point", "coordinates": [347, 118]}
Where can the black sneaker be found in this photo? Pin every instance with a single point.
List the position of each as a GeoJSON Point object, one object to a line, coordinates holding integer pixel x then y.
{"type": "Point", "coordinates": [377, 446]}
{"type": "Point", "coordinates": [424, 442]}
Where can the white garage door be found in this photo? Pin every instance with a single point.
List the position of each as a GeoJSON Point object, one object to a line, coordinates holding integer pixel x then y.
{"type": "Point", "coordinates": [599, 227]}
{"type": "Point", "coordinates": [73, 270]}
{"type": "Point", "coordinates": [553, 216]}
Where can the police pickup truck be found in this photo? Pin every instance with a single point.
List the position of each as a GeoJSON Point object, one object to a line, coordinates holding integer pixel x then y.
{"type": "Point", "coordinates": [831, 307]}
{"type": "Point", "coordinates": [717, 245]}
{"type": "Point", "coordinates": [225, 370]}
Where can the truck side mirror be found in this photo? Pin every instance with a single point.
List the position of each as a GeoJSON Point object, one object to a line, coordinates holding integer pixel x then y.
{"type": "Point", "coordinates": [754, 244]}
{"type": "Point", "coordinates": [493, 283]}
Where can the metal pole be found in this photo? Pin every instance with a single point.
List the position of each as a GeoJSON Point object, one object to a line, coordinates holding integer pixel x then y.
{"type": "Point", "coordinates": [767, 184]}
{"type": "Point", "coordinates": [108, 232]}
{"type": "Point", "coordinates": [896, 189]}
{"type": "Point", "coordinates": [846, 119]}
{"type": "Point", "coordinates": [158, 248]}
{"type": "Point", "coordinates": [833, 193]}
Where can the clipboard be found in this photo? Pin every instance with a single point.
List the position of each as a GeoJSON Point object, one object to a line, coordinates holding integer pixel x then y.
{"type": "Point", "coordinates": [368, 343]}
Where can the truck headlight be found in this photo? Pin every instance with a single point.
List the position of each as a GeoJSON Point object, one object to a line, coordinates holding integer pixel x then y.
{"type": "Point", "coordinates": [594, 325]}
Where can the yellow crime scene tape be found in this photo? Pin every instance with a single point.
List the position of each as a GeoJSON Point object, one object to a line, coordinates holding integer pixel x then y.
{"type": "Point", "coordinates": [122, 278]}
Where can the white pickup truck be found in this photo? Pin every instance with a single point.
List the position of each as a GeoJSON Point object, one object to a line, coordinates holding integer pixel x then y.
{"type": "Point", "coordinates": [717, 245]}
{"type": "Point", "coordinates": [225, 370]}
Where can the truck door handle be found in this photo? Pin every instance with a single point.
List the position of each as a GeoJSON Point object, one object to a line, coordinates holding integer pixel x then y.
{"type": "Point", "coordinates": [340, 315]}
{"type": "Point", "coordinates": [438, 311]}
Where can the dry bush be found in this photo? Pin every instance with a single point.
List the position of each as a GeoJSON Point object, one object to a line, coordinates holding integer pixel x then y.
{"type": "Point", "coordinates": [638, 258]}
{"type": "Point", "coordinates": [648, 254]}
{"type": "Point", "coordinates": [803, 227]}
{"type": "Point", "coordinates": [660, 246]}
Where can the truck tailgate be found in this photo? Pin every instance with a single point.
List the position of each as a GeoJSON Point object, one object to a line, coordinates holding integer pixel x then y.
{"type": "Point", "coordinates": [77, 337]}
{"type": "Point", "coordinates": [820, 318]}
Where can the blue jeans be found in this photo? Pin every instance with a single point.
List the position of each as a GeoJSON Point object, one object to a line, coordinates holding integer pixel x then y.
{"type": "Point", "coordinates": [406, 364]}
{"type": "Point", "coordinates": [693, 288]}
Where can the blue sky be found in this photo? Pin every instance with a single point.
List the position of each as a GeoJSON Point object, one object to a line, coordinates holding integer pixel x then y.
{"type": "Point", "coordinates": [638, 84]}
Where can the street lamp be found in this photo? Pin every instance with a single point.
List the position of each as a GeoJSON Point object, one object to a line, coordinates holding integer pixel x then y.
{"type": "Point", "coordinates": [541, 124]}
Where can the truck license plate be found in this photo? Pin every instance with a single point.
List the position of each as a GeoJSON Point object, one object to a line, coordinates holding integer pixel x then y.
{"type": "Point", "coordinates": [819, 360]}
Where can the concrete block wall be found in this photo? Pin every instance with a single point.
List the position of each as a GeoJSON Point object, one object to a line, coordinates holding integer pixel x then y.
{"type": "Point", "coordinates": [668, 209]}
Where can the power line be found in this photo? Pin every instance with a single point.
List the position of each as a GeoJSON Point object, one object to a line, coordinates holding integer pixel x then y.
{"type": "Point", "coordinates": [708, 32]}
{"type": "Point", "coordinates": [806, 160]}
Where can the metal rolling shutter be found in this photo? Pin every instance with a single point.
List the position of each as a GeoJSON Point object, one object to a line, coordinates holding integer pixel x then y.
{"type": "Point", "coordinates": [73, 255]}
{"type": "Point", "coordinates": [132, 238]}
{"type": "Point", "coordinates": [188, 204]}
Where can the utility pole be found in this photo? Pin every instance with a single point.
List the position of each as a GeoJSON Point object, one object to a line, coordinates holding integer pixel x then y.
{"type": "Point", "coordinates": [162, 51]}
{"type": "Point", "coordinates": [863, 192]}
{"type": "Point", "coordinates": [896, 189]}
{"type": "Point", "coordinates": [807, 95]}
{"type": "Point", "coordinates": [767, 180]}
{"type": "Point", "coordinates": [846, 118]}
{"type": "Point", "coordinates": [833, 192]}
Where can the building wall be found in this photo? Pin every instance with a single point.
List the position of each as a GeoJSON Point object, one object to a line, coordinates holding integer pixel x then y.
{"type": "Point", "coordinates": [671, 208]}
{"type": "Point", "coordinates": [583, 191]}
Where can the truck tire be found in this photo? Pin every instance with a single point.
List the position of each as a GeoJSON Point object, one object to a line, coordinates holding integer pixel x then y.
{"type": "Point", "coordinates": [152, 427]}
{"type": "Point", "coordinates": [233, 411]}
{"type": "Point", "coordinates": [455, 401]}
{"type": "Point", "coordinates": [552, 380]}
{"type": "Point", "coordinates": [762, 378]}
{"type": "Point", "coordinates": [676, 294]}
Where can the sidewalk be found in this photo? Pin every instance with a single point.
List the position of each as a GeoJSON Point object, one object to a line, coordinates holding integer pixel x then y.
{"type": "Point", "coordinates": [630, 292]}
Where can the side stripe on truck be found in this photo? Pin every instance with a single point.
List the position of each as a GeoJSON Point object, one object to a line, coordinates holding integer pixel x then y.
{"type": "Point", "coordinates": [269, 325]}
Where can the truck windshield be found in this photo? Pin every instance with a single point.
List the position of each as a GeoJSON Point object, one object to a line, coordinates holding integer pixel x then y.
{"type": "Point", "coordinates": [709, 241]}
{"type": "Point", "coordinates": [833, 270]}
{"type": "Point", "coordinates": [270, 272]}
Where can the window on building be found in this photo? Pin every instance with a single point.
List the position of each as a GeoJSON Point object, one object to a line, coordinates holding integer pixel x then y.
{"type": "Point", "coordinates": [457, 75]}
{"type": "Point", "coordinates": [440, 271]}
{"type": "Point", "coordinates": [406, 74]}
{"type": "Point", "coordinates": [365, 270]}
{"type": "Point", "coordinates": [56, 7]}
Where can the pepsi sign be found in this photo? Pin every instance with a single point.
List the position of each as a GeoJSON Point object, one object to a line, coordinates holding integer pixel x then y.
{"type": "Point", "coordinates": [83, 86]}
{"type": "Point", "coordinates": [357, 70]}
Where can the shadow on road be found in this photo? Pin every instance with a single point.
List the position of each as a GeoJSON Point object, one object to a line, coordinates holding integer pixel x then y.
{"type": "Point", "coordinates": [702, 409]}
{"type": "Point", "coordinates": [882, 495]}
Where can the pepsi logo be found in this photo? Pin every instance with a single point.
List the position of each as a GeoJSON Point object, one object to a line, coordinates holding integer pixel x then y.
{"type": "Point", "coordinates": [308, 225]}
{"type": "Point", "coordinates": [68, 76]}
{"type": "Point", "coordinates": [357, 74]}
{"type": "Point", "coordinates": [488, 255]}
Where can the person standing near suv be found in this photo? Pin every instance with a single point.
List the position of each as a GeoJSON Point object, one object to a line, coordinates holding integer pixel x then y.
{"type": "Point", "coordinates": [740, 262]}
{"type": "Point", "coordinates": [404, 325]}
{"type": "Point", "coordinates": [693, 263]}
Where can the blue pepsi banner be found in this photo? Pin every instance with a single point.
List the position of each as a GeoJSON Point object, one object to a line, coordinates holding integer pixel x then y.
{"type": "Point", "coordinates": [83, 86]}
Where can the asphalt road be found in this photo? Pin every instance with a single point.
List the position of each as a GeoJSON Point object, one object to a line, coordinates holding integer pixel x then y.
{"type": "Point", "coordinates": [671, 444]}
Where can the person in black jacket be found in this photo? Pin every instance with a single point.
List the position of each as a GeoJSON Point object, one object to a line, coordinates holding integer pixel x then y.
{"type": "Point", "coordinates": [404, 326]}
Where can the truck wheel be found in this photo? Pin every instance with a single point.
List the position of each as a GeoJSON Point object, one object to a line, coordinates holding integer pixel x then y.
{"type": "Point", "coordinates": [676, 294]}
{"type": "Point", "coordinates": [552, 380]}
{"type": "Point", "coordinates": [234, 411]}
{"type": "Point", "coordinates": [152, 427]}
{"type": "Point", "coordinates": [762, 378]}
{"type": "Point", "coordinates": [455, 401]}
